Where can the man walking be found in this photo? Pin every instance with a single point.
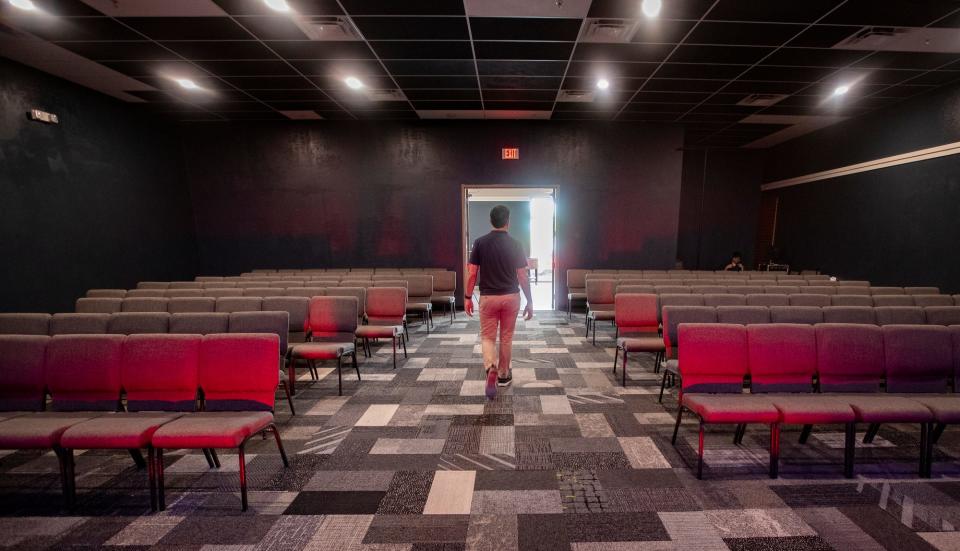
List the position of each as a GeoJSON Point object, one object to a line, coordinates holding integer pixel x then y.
{"type": "Point", "coordinates": [501, 265]}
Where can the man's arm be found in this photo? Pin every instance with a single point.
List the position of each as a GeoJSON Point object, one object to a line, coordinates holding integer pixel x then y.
{"type": "Point", "coordinates": [472, 270]}
{"type": "Point", "coordinates": [524, 278]}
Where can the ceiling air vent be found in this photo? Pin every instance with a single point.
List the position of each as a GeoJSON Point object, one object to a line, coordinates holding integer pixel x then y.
{"type": "Point", "coordinates": [871, 38]}
{"type": "Point", "coordinates": [575, 96]}
{"type": "Point", "coordinates": [327, 28]}
{"type": "Point", "coordinates": [608, 30]}
{"type": "Point", "coordinates": [761, 100]}
{"type": "Point", "coordinates": [386, 95]}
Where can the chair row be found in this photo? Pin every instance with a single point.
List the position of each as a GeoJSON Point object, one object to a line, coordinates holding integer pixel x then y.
{"type": "Point", "coordinates": [182, 391]}
{"type": "Point", "coordinates": [799, 299]}
{"type": "Point", "coordinates": [293, 271]}
{"type": "Point", "coordinates": [603, 288]}
{"type": "Point", "coordinates": [832, 374]}
{"type": "Point", "coordinates": [576, 275]}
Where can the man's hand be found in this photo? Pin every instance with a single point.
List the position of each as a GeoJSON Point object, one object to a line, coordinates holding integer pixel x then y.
{"type": "Point", "coordinates": [468, 307]}
{"type": "Point", "coordinates": [528, 312]}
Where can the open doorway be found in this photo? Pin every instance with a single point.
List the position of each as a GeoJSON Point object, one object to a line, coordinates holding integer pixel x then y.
{"type": "Point", "coordinates": [532, 223]}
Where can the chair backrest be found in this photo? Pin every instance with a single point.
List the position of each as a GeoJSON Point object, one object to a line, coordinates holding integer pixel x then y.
{"type": "Point", "coordinates": [305, 292]}
{"type": "Point", "coordinates": [921, 290]}
{"type": "Point", "coordinates": [79, 324]}
{"type": "Point", "coordinates": [388, 283]}
{"type": "Point", "coordinates": [899, 315]}
{"type": "Point", "coordinates": [191, 304]}
{"type": "Point", "coordinates": [673, 316]}
{"type": "Point", "coordinates": [933, 300]}
{"type": "Point", "coordinates": [886, 290]}
{"type": "Point", "coordinates": [849, 357]}
{"type": "Point", "coordinates": [724, 300]}
{"type": "Point", "coordinates": [185, 285]}
{"type": "Point", "coordinates": [419, 287]}
{"type": "Point", "coordinates": [673, 299]}
{"type": "Point", "coordinates": [153, 285]}
{"type": "Point", "coordinates": [849, 314]}
{"type": "Point", "coordinates": [217, 293]}
{"type": "Point", "coordinates": [366, 283]}
{"type": "Point", "coordinates": [295, 307]}
{"type": "Point", "coordinates": [445, 282]}
{"type": "Point", "coordinates": [146, 304]}
{"type": "Point", "coordinates": [955, 336]}
{"type": "Point", "coordinates": [129, 323]}
{"type": "Point", "coordinates": [22, 385]}
{"type": "Point", "coordinates": [767, 300]}
{"type": "Point", "coordinates": [386, 305]}
{"type": "Point", "coordinates": [238, 372]}
{"type": "Point", "coordinates": [796, 314]}
{"type": "Point", "coordinates": [239, 304]}
{"type": "Point", "coordinates": [713, 357]}
{"type": "Point", "coordinates": [810, 300]}
{"type": "Point", "coordinates": [200, 323]}
{"type": "Point", "coordinates": [673, 290]}
{"type": "Point", "coordinates": [107, 293]}
{"type": "Point", "coordinates": [851, 300]}
{"type": "Point", "coordinates": [262, 292]}
{"type": "Point", "coordinates": [180, 293]}
{"type": "Point", "coordinates": [82, 372]}
{"type": "Point", "coordinates": [942, 315]}
{"type": "Point", "coordinates": [745, 289]}
{"type": "Point", "coordinates": [140, 293]}
{"type": "Point", "coordinates": [853, 283]}
{"type": "Point", "coordinates": [781, 289]}
{"type": "Point", "coordinates": [893, 300]}
{"type": "Point", "coordinates": [601, 293]}
{"type": "Point", "coordinates": [636, 312]}
{"type": "Point", "coordinates": [24, 324]}
{"type": "Point", "coordinates": [359, 293]}
{"type": "Point", "coordinates": [818, 290]}
{"type": "Point", "coordinates": [917, 358]}
{"type": "Point", "coordinates": [159, 372]}
{"type": "Point", "coordinates": [853, 290]}
{"type": "Point", "coordinates": [333, 318]}
{"type": "Point", "coordinates": [277, 323]}
{"type": "Point", "coordinates": [98, 305]}
{"type": "Point", "coordinates": [636, 289]}
{"type": "Point", "coordinates": [743, 315]}
{"type": "Point", "coordinates": [783, 357]}
{"type": "Point", "coordinates": [575, 278]}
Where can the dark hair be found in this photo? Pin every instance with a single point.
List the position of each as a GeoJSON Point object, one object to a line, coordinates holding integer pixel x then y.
{"type": "Point", "coordinates": [736, 254]}
{"type": "Point", "coordinates": [499, 216]}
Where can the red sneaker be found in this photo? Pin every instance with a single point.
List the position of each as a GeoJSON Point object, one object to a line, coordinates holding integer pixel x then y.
{"type": "Point", "coordinates": [491, 384]}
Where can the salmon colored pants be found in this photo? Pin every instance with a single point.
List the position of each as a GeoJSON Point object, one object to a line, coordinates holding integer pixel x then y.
{"type": "Point", "coordinates": [498, 312]}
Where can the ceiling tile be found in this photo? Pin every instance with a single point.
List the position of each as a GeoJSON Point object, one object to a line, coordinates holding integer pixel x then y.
{"type": "Point", "coordinates": [524, 28]}
{"type": "Point", "coordinates": [790, 74]}
{"type": "Point", "coordinates": [289, 95]}
{"type": "Point", "coordinates": [529, 83]}
{"type": "Point", "coordinates": [518, 105]}
{"type": "Point", "coordinates": [596, 69]}
{"type": "Point", "coordinates": [823, 36]}
{"type": "Point", "coordinates": [340, 68]}
{"type": "Point", "coordinates": [492, 94]}
{"type": "Point", "coordinates": [450, 67]}
{"type": "Point", "coordinates": [188, 28]}
{"type": "Point", "coordinates": [248, 68]}
{"type": "Point", "coordinates": [413, 28]}
{"type": "Point", "coordinates": [753, 34]}
{"type": "Point", "coordinates": [806, 11]}
{"type": "Point", "coordinates": [670, 97]}
{"type": "Point", "coordinates": [156, 68]}
{"type": "Point", "coordinates": [227, 49]}
{"type": "Point", "coordinates": [447, 105]}
{"type": "Point", "coordinates": [745, 55]}
{"type": "Point", "coordinates": [372, 82]}
{"type": "Point", "coordinates": [907, 60]}
{"type": "Point", "coordinates": [312, 49]}
{"type": "Point", "coordinates": [305, 105]}
{"type": "Point", "coordinates": [436, 82]}
{"type": "Point", "coordinates": [119, 51]}
{"type": "Point", "coordinates": [403, 7]}
{"type": "Point", "coordinates": [75, 28]}
{"type": "Point", "coordinates": [763, 87]}
{"type": "Point", "coordinates": [272, 27]}
{"type": "Point", "coordinates": [901, 13]}
{"type": "Point", "coordinates": [683, 85]}
{"type": "Point", "coordinates": [449, 95]}
{"type": "Point", "coordinates": [700, 70]}
{"type": "Point", "coordinates": [589, 83]}
{"type": "Point", "coordinates": [521, 68]}
{"type": "Point", "coordinates": [812, 57]}
{"type": "Point", "coordinates": [423, 50]}
{"type": "Point", "coordinates": [629, 9]}
{"type": "Point", "coordinates": [658, 31]}
{"type": "Point", "coordinates": [523, 50]}
{"type": "Point", "coordinates": [270, 83]}
{"type": "Point", "coordinates": [299, 7]}
{"type": "Point", "coordinates": [621, 52]}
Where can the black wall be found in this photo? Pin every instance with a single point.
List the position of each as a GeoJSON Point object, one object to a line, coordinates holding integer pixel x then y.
{"type": "Point", "coordinates": [96, 201]}
{"type": "Point", "coordinates": [719, 206]}
{"type": "Point", "coordinates": [898, 225]}
{"type": "Point", "coordinates": [291, 195]}
{"type": "Point", "coordinates": [479, 223]}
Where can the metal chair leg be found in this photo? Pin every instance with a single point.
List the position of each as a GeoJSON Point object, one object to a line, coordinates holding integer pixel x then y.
{"type": "Point", "coordinates": [624, 370]}
{"type": "Point", "coordinates": [340, 375]}
{"type": "Point", "coordinates": [700, 454]}
{"type": "Point", "coordinates": [403, 341]}
{"type": "Point", "coordinates": [774, 450]}
{"type": "Point", "coordinates": [161, 500]}
{"type": "Point", "coordinates": [283, 453]}
{"type": "Point", "coordinates": [676, 427]}
{"type": "Point", "coordinates": [663, 384]}
{"type": "Point", "coordinates": [805, 433]}
{"type": "Point", "coordinates": [871, 433]}
{"type": "Point", "coordinates": [292, 376]}
{"type": "Point", "coordinates": [152, 477]}
{"type": "Point", "coordinates": [849, 448]}
{"type": "Point", "coordinates": [286, 390]}
{"type": "Point", "coordinates": [616, 356]}
{"type": "Point", "coordinates": [355, 366]}
{"type": "Point", "coordinates": [243, 478]}
{"type": "Point", "coordinates": [394, 341]}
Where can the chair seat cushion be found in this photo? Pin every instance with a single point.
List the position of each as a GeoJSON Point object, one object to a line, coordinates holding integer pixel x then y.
{"type": "Point", "coordinates": [732, 408]}
{"type": "Point", "coordinates": [602, 315]}
{"type": "Point", "coordinates": [211, 429]}
{"type": "Point", "coordinates": [379, 331]}
{"type": "Point", "coordinates": [38, 430]}
{"type": "Point", "coordinates": [809, 409]}
{"type": "Point", "coordinates": [673, 367]}
{"type": "Point", "coordinates": [576, 296]}
{"type": "Point", "coordinates": [322, 350]}
{"type": "Point", "coordinates": [419, 306]}
{"type": "Point", "coordinates": [641, 344]}
{"type": "Point", "coordinates": [946, 409]}
{"type": "Point", "coordinates": [442, 298]}
{"type": "Point", "coordinates": [885, 408]}
{"type": "Point", "coordinates": [116, 431]}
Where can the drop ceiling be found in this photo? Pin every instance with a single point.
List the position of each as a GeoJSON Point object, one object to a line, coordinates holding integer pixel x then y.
{"type": "Point", "coordinates": [494, 59]}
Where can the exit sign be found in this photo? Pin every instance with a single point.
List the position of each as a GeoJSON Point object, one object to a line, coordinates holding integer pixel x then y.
{"type": "Point", "coordinates": [511, 153]}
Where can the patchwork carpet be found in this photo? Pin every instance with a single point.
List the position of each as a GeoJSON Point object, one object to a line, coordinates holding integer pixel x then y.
{"type": "Point", "coordinates": [417, 459]}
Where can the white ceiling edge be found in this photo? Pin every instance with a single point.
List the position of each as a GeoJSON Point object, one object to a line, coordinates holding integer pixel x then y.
{"type": "Point", "coordinates": [157, 8]}
{"type": "Point", "coordinates": [507, 194]}
{"type": "Point", "coordinates": [802, 124]}
{"type": "Point", "coordinates": [527, 8]}
{"type": "Point", "coordinates": [518, 114]}
{"type": "Point", "coordinates": [57, 61]}
{"type": "Point", "coordinates": [450, 114]}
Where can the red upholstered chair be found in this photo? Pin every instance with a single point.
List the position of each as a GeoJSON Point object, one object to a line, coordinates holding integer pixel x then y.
{"type": "Point", "coordinates": [330, 327]}
{"type": "Point", "coordinates": [159, 375]}
{"type": "Point", "coordinates": [600, 301]}
{"type": "Point", "coordinates": [933, 300]}
{"type": "Point", "coordinates": [893, 300]}
{"type": "Point", "coordinates": [191, 305]}
{"type": "Point", "coordinates": [637, 326]}
{"type": "Point", "coordinates": [743, 315]}
{"type": "Point", "coordinates": [849, 314]}
{"type": "Point", "coordinates": [217, 293]}
{"type": "Point", "coordinates": [22, 386]}
{"type": "Point", "coordinates": [673, 316]}
{"type": "Point", "coordinates": [818, 300]}
{"type": "Point", "coordinates": [713, 364]}
{"type": "Point", "coordinates": [276, 323]}
{"type": "Point", "coordinates": [886, 291]}
{"type": "Point", "coordinates": [899, 315]}
{"type": "Point", "coordinates": [818, 290]}
{"type": "Point", "coordinates": [145, 304]}
{"type": "Point", "coordinates": [98, 305]}
{"type": "Point", "coordinates": [79, 324]}
{"type": "Point", "coordinates": [851, 300]}
{"type": "Point", "coordinates": [783, 362]}
{"type": "Point", "coordinates": [767, 300]}
{"type": "Point", "coordinates": [445, 291]}
{"type": "Point", "coordinates": [674, 299]}
{"type": "Point", "coordinates": [419, 297]}
{"type": "Point", "coordinates": [809, 315]}
{"type": "Point", "coordinates": [386, 318]}
{"type": "Point", "coordinates": [129, 323]}
{"type": "Point", "coordinates": [242, 304]}
{"type": "Point", "coordinates": [238, 376]}
{"type": "Point", "coordinates": [106, 293]}
{"type": "Point", "coordinates": [183, 293]}
{"type": "Point", "coordinates": [135, 293]}
{"type": "Point", "coordinates": [942, 315]}
{"type": "Point", "coordinates": [921, 290]}
{"type": "Point", "coordinates": [82, 373]}
{"type": "Point", "coordinates": [24, 324]}
{"type": "Point", "coordinates": [850, 361]}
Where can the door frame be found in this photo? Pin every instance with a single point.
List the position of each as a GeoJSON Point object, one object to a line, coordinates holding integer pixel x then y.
{"type": "Point", "coordinates": [465, 230]}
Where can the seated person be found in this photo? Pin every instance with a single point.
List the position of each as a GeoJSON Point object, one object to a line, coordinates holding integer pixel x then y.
{"type": "Point", "coordinates": [736, 263]}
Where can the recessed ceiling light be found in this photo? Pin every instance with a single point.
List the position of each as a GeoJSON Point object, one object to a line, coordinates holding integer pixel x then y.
{"type": "Point", "coordinates": [603, 84]}
{"type": "Point", "coordinates": [841, 90]}
{"type": "Point", "coordinates": [651, 8]}
{"type": "Point", "coordinates": [277, 5]}
{"type": "Point", "coordinates": [187, 83]}
{"type": "Point", "coordinates": [23, 4]}
{"type": "Point", "coordinates": [353, 82]}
